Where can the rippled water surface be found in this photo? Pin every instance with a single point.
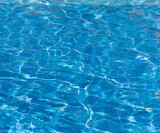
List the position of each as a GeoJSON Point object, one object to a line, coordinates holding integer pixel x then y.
{"type": "Point", "coordinates": [69, 67]}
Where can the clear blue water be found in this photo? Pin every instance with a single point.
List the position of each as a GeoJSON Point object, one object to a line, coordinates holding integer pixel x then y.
{"type": "Point", "coordinates": [79, 67]}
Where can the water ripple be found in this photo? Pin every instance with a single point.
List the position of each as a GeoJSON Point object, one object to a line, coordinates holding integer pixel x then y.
{"type": "Point", "coordinates": [72, 67]}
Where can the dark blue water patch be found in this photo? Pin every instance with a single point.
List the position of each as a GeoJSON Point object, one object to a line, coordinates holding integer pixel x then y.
{"type": "Point", "coordinates": [106, 125]}
{"type": "Point", "coordinates": [40, 109]}
{"type": "Point", "coordinates": [23, 107]}
{"type": "Point", "coordinates": [157, 118]}
{"type": "Point", "coordinates": [5, 58]}
{"type": "Point", "coordinates": [143, 117]}
{"type": "Point", "coordinates": [5, 87]}
{"type": "Point", "coordinates": [12, 101]}
{"type": "Point", "coordinates": [92, 99]}
{"type": "Point", "coordinates": [66, 96]}
{"type": "Point", "coordinates": [76, 128]}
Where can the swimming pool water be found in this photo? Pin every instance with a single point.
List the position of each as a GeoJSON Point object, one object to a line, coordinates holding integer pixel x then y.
{"type": "Point", "coordinates": [79, 67]}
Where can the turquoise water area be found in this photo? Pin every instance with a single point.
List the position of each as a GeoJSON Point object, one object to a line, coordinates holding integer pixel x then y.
{"type": "Point", "coordinates": [79, 66]}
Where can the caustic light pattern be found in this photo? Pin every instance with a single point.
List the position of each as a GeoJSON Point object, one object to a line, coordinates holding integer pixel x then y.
{"type": "Point", "coordinates": [79, 68]}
